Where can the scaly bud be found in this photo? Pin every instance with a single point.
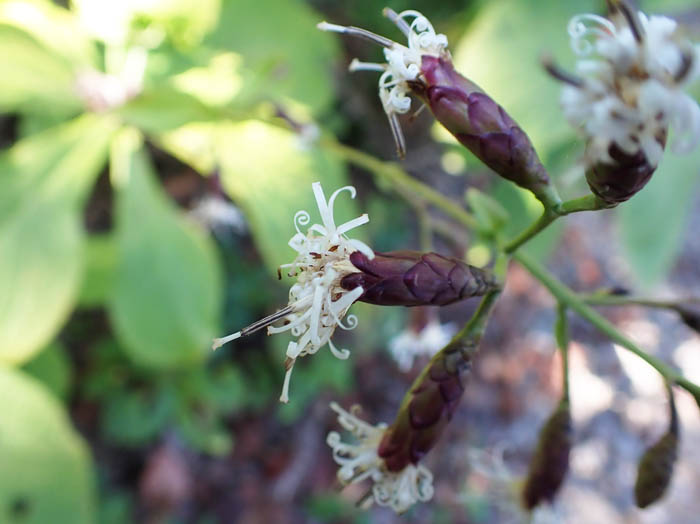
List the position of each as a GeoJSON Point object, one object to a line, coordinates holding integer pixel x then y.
{"type": "Point", "coordinates": [428, 406]}
{"type": "Point", "coordinates": [410, 278]}
{"type": "Point", "coordinates": [551, 460]}
{"type": "Point", "coordinates": [480, 124]}
{"type": "Point", "coordinates": [656, 465]}
{"type": "Point", "coordinates": [425, 69]}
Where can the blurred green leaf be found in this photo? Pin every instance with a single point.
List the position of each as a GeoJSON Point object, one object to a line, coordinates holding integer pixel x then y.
{"type": "Point", "coordinates": [652, 223]}
{"type": "Point", "coordinates": [134, 417]}
{"type": "Point", "coordinates": [33, 78]}
{"type": "Point", "coordinates": [163, 108]}
{"type": "Point", "coordinates": [47, 475]}
{"type": "Point", "coordinates": [56, 28]}
{"type": "Point", "coordinates": [269, 172]}
{"type": "Point", "coordinates": [165, 305]}
{"type": "Point", "coordinates": [44, 178]}
{"type": "Point", "coordinates": [501, 51]}
{"type": "Point", "coordinates": [280, 36]}
{"type": "Point", "coordinates": [52, 367]}
{"type": "Point", "coordinates": [184, 22]}
{"type": "Point", "coordinates": [100, 268]}
{"type": "Point", "coordinates": [310, 377]}
{"type": "Point", "coordinates": [490, 215]}
{"type": "Point", "coordinates": [524, 209]}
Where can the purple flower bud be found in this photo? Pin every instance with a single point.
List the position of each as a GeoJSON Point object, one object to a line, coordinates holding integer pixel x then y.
{"type": "Point", "coordinates": [428, 407]}
{"type": "Point", "coordinates": [551, 460]}
{"type": "Point", "coordinates": [410, 278]}
{"type": "Point", "coordinates": [479, 123]}
{"type": "Point", "coordinates": [655, 468]}
{"type": "Point", "coordinates": [620, 180]}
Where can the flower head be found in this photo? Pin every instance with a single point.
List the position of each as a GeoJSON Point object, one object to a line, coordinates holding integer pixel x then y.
{"type": "Point", "coordinates": [628, 87]}
{"type": "Point", "coordinates": [403, 62]}
{"type": "Point", "coordinates": [317, 302]}
{"type": "Point", "coordinates": [398, 490]}
{"type": "Point", "coordinates": [427, 341]}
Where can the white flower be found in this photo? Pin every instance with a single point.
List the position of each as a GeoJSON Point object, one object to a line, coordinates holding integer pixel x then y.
{"type": "Point", "coordinates": [629, 84]}
{"type": "Point", "coordinates": [410, 343]}
{"type": "Point", "coordinates": [317, 302]}
{"type": "Point", "coordinates": [403, 63]}
{"type": "Point", "coordinates": [105, 91]}
{"type": "Point", "coordinates": [398, 490]}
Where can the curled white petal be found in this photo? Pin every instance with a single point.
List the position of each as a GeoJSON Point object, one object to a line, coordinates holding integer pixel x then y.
{"type": "Point", "coordinates": [317, 301]}
{"type": "Point", "coordinates": [359, 461]}
{"type": "Point", "coordinates": [632, 85]}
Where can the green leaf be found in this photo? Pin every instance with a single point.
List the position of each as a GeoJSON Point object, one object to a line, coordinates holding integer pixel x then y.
{"type": "Point", "coordinates": [56, 28]}
{"type": "Point", "coordinates": [281, 36]}
{"type": "Point", "coordinates": [100, 268]}
{"type": "Point", "coordinates": [165, 108]}
{"type": "Point", "coordinates": [46, 470]}
{"type": "Point", "coordinates": [45, 179]}
{"type": "Point", "coordinates": [652, 223]}
{"type": "Point", "coordinates": [133, 418]}
{"type": "Point", "coordinates": [269, 172]}
{"type": "Point", "coordinates": [33, 79]}
{"type": "Point", "coordinates": [524, 209]}
{"type": "Point", "coordinates": [490, 215]}
{"type": "Point", "coordinates": [165, 305]}
{"type": "Point", "coordinates": [52, 367]}
{"type": "Point", "coordinates": [501, 52]}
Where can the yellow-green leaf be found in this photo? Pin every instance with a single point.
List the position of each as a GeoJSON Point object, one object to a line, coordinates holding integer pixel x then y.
{"type": "Point", "coordinates": [46, 470]}
{"type": "Point", "coordinates": [166, 299]}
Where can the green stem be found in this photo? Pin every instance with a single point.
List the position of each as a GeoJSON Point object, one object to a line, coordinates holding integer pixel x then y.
{"type": "Point", "coordinates": [561, 332]}
{"type": "Point", "coordinates": [392, 173]}
{"type": "Point", "coordinates": [474, 329]}
{"type": "Point", "coordinates": [599, 299]}
{"type": "Point", "coordinates": [566, 296]}
{"type": "Point", "coordinates": [550, 214]}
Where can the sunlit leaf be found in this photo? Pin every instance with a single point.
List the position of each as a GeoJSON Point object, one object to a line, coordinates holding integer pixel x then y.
{"type": "Point", "coordinates": [652, 223]}
{"type": "Point", "coordinates": [280, 38]}
{"type": "Point", "coordinates": [45, 178]}
{"type": "Point", "coordinates": [165, 108]}
{"type": "Point", "coordinates": [166, 299]}
{"type": "Point", "coordinates": [47, 475]}
{"type": "Point", "coordinates": [33, 78]}
{"type": "Point", "coordinates": [269, 172]}
{"type": "Point", "coordinates": [56, 28]}
{"type": "Point", "coordinates": [185, 22]}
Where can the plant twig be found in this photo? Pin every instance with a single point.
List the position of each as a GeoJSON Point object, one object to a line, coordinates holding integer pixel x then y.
{"type": "Point", "coordinates": [395, 175]}
{"type": "Point", "coordinates": [566, 296]}
{"type": "Point", "coordinates": [550, 214]}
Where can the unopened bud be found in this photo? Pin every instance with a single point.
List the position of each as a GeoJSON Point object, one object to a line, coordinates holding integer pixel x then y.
{"type": "Point", "coordinates": [480, 124]}
{"type": "Point", "coordinates": [656, 466]}
{"type": "Point", "coordinates": [428, 406]}
{"type": "Point", "coordinates": [619, 180]}
{"type": "Point", "coordinates": [551, 460]}
{"type": "Point", "coordinates": [411, 278]}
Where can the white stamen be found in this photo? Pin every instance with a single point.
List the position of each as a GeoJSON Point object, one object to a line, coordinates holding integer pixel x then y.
{"type": "Point", "coordinates": [317, 301]}
{"type": "Point", "coordinates": [403, 62]}
{"type": "Point", "coordinates": [632, 87]}
{"type": "Point", "coordinates": [360, 461]}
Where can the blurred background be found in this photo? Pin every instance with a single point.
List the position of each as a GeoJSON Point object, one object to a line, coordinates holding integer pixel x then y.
{"type": "Point", "coordinates": [153, 156]}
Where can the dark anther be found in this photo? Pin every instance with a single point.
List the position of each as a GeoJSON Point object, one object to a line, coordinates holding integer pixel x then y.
{"type": "Point", "coordinates": [632, 19]}
{"type": "Point", "coordinates": [559, 74]}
